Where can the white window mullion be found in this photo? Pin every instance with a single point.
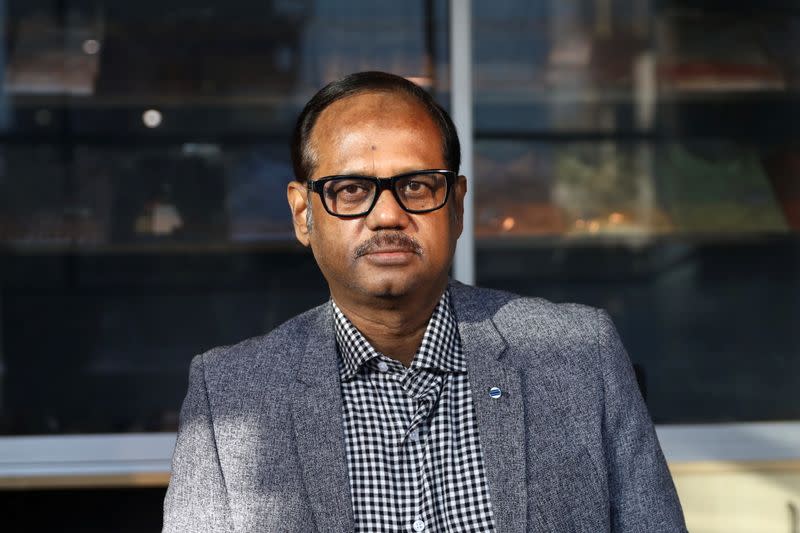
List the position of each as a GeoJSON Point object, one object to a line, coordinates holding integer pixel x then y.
{"type": "Point", "coordinates": [461, 107]}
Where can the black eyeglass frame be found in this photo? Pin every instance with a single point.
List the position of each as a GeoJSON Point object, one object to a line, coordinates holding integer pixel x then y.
{"type": "Point", "coordinates": [382, 184]}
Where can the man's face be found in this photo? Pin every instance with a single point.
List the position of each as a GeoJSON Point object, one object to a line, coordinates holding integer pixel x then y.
{"type": "Point", "coordinates": [389, 252]}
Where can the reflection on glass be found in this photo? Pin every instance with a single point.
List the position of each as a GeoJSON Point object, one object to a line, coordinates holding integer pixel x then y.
{"type": "Point", "coordinates": [693, 247]}
{"type": "Point", "coordinates": [196, 104]}
{"type": "Point", "coordinates": [704, 51]}
{"type": "Point", "coordinates": [562, 65]}
{"type": "Point", "coordinates": [642, 157]}
{"type": "Point", "coordinates": [590, 66]}
{"type": "Point", "coordinates": [707, 186]}
{"type": "Point", "coordinates": [152, 118]}
{"type": "Point", "coordinates": [143, 172]}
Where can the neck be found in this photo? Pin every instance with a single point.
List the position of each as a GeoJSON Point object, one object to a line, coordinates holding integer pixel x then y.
{"type": "Point", "coordinates": [394, 327]}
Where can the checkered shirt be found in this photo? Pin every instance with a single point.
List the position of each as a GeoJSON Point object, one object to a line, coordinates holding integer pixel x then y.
{"type": "Point", "coordinates": [411, 435]}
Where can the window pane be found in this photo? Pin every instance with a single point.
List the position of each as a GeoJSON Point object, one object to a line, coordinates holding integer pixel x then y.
{"type": "Point", "coordinates": [143, 170]}
{"type": "Point", "coordinates": [561, 65]}
{"type": "Point", "coordinates": [626, 159]}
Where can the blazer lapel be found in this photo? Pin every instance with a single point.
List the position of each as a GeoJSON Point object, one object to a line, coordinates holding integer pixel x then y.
{"type": "Point", "coordinates": [501, 421]}
{"type": "Point", "coordinates": [317, 417]}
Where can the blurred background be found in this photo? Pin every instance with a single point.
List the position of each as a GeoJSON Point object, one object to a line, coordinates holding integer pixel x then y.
{"type": "Point", "coordinates": [638, 155]}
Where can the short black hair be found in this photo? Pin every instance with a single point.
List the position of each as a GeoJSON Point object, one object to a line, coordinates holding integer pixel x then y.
{"type": "Point", "coordinates": [365, 82]}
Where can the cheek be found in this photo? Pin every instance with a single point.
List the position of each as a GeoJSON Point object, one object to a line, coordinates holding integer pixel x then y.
{"type": "Point", "coordinates": [334, 239]}
{"type": "Point", "coordinates": [440, 235]}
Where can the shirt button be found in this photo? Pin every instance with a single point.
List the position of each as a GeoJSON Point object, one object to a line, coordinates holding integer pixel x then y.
{"type": "Point", "coordinates": [419, 525]}
{"type": "Point", "coordinates": [382, 366]}
{"type": "Point", "coordinates": [414, 435]}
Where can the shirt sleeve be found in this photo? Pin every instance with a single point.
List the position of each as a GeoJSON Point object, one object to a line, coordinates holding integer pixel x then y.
{"type": "Point", "coordinates": [196, 499]}
{"type": "Point", "coordinates": [642, 494]}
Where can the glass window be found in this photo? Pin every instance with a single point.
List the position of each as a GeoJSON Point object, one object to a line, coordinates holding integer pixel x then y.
{"type": "Point", "coordinates": [143, 170]}
{"type": "Point", "coordinates": [643, 157]}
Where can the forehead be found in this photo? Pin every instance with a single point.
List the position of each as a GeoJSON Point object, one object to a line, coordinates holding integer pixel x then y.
{"type": "Point", "coordinates": [369, 112]}
{"type": "Point", "coordinates": [372, 103]}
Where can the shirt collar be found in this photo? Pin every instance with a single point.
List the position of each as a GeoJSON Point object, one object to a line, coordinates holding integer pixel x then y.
{"type": "Point", "coordinates": [440, 348]}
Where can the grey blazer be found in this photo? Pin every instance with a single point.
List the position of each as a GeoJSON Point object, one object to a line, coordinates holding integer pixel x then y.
{"type": "Point", "coordinates": [568, 447]}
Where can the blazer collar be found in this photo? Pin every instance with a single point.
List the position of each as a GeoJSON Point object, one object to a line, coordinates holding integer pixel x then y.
{"type": "Point", "coordinates": [501, 421]}
{"type": "Point", "coordinates": [317, 419]}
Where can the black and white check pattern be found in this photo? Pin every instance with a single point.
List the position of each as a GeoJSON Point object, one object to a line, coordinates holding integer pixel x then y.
{"type": "Point", "coordinates": [411, 436]}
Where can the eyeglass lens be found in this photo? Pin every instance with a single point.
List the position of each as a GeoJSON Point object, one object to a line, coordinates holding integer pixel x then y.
{"type": "Point", "coordinates": [416, 192]}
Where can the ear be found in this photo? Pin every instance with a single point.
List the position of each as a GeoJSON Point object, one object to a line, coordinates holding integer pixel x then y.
{"type": "Point", "coordinates": [298, 197]}
{"type": "Point", "coordinates": [459, 192]}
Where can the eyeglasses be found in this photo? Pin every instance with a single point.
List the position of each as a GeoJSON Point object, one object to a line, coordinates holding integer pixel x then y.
{"type": "Point", "coordinates": [420, 191]}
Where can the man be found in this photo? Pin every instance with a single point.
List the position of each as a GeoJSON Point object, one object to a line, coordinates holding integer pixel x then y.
{"type": "Point", "coordinates": [409, 402]}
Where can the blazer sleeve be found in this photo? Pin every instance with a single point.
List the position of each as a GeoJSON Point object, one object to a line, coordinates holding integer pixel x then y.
{"type": "Point", "coordinates": [196, 499]}
{"type": "Point", "coordinates": [641, 490]}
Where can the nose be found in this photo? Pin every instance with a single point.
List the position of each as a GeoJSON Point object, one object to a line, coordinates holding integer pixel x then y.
{"type": "Point", "coordinates": [387, 213]}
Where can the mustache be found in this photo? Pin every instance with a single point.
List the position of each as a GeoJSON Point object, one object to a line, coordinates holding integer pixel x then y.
{"type": "Point", "coordinates": [396, 240]}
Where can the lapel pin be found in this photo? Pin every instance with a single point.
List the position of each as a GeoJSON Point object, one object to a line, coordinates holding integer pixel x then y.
{"type": "Point", "coordinates": [495, 392]}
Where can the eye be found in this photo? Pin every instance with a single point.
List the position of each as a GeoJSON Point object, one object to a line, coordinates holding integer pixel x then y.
{"type": "Point", "coordinates": [348, 190]}
{"type": "Point", "coordinates": [419, 185]}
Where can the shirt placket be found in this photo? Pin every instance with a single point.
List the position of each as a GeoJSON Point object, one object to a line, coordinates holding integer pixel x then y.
{"type": "Point", "coordinates": [409, 456]}
{"type": "Point", "coordinates": [424, 518]}
{"type": "Point", "coordinates": [422, 391]}
{"type": "Point", "coordinates": [415, 445]}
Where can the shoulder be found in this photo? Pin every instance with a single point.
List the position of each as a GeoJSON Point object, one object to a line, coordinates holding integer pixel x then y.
{"type": "Point", "coordinates": [511, 311]}
{"type": "Point", "coordinates": [535, 329]}
{"type": "Point", "coordinates": [276, 351]}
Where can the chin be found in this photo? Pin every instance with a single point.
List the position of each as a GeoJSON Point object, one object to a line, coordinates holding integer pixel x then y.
{"type": "Point", "coordinates": [395, 287]}
{"type": "Point", "coordinates": [389, 288]}
{"type": "Point", "coordinates": [388, 285]}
